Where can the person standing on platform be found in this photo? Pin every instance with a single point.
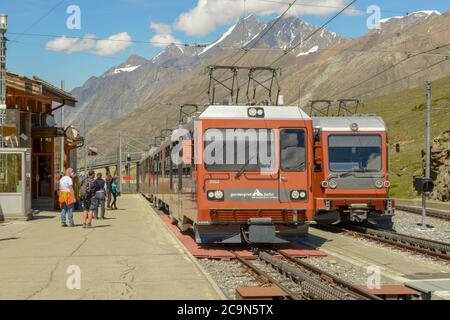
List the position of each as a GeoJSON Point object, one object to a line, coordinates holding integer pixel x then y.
{"type": "Point", "coordinates": [108, 190]}
{"type": "Point", "coordinates": [66, 198]}
{"type": "Point", "coordinates": [76, 189]}
{"type": "Point", "coordinates": [100, 196]}
{"type": "Point", "coordinates": [87, 196]}
{"type": "Point", "coordinates": [114, 193]}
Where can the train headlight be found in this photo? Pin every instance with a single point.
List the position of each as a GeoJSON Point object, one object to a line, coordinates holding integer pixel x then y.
{"type": "Point", "coordinates": [295, 195]}
{"type": "Point", "coordinates": [324, 184]}
{"type": "Point", "coordinates": [254, 112]}
{"type": "Point", "coordinates": [211, 195]}
{"type": "Point", "coordinates": [387, 184]}
{"type": "Point", "coordinates": [215, 195]}
{"type": "Point", "coordinates": [218, 195]}
{"type": "Point", "coordinates": [332, 184]}
{"type": "Point", "coordinates": [379, 184]}
{"type": "Point", "coordinates": [298, 195]}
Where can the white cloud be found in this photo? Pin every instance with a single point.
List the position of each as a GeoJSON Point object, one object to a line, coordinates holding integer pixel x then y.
{"type": "Point", "coordinates": [71, 45]}
{"type": "Point", "coordinates": [115, 44]}
{"type": "Point", "coordinates": [207, 15]}
{"type": "Point", "coordinates": [89, 43]}
{"type": "Point", "coordinates": [163, 36]}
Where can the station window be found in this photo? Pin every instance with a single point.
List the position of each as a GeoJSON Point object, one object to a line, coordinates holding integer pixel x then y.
{"type": "Point", "coordinates": [10, 173]}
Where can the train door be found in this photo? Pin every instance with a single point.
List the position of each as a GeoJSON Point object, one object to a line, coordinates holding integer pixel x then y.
{"type": "Point", "coordinates": [293, 176]}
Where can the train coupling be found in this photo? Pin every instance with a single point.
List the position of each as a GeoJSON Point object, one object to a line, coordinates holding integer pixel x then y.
{"type": "Point", "coordinates": [358, 212]}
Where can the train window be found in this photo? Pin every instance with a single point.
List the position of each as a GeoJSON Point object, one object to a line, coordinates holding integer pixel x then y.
{"type": "Point", "coordinates": [354, 153]}
{"type": "Point", "coordinates": [293, 150]}
{"type": "Point", "coordinates": [232, 149]}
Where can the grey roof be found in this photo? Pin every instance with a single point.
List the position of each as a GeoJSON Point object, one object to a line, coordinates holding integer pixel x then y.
{"type": "Point", "coordinates": [55, 90]}
{"type": "Point", "coordinates": [240, 112]}
{"type": "Point", "coordinates": [365, 123]}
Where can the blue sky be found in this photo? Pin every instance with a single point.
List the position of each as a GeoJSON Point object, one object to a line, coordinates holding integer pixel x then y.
{"type": "Point", "coordinates": [185, 21]}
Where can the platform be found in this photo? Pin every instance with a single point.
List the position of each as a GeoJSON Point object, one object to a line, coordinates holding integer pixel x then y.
{"type": "Point", "coordinates": [131, 255]}
{"type": "Point", "coordinates": [204, 251]}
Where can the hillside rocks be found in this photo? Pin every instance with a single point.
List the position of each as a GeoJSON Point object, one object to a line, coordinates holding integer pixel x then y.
{"type": "Point", "coordinates": [440, 166]}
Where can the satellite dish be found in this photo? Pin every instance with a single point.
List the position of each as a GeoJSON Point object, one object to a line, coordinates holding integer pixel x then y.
{"type": "Point", "coordinates": [50, 120]}
{"type": "Point", "coordinates": [92, 151]}
{"type": "Point", "coordinates": [72, 133]}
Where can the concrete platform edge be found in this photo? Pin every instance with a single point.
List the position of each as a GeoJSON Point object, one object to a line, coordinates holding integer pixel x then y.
{"type": "Point", "coordinates": [191, 257]}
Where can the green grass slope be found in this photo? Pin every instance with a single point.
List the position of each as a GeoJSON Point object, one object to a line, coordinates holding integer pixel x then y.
{"type": "Point", "coordinates": [404, 114]}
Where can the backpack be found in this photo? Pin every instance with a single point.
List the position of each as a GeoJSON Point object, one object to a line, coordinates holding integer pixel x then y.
{"type": "Point", "coordinates": [85, 190]}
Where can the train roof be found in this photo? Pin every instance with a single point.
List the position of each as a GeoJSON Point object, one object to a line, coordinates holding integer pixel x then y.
{"type": "Point", "coordinates": [365, 123]}
{"type": "Point", "coordinates": [240, 112]}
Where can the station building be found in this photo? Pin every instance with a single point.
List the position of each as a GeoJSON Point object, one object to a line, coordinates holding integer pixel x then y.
{"type": "Point", "coordinates": [31, 161]}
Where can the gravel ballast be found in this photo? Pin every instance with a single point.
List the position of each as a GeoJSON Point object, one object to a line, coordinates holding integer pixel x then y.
{"type": "Point", "coordinates": [406, 223]}
{"type": "Point", "coordinates": [229, 275]}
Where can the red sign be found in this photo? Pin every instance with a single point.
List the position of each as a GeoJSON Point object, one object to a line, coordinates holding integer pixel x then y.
{"type": "Point", "coordinates": [126, 178]}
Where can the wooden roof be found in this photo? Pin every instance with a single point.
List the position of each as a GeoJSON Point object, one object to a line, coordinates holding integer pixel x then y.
{"type": "Point", "coordinates": [39, 87]}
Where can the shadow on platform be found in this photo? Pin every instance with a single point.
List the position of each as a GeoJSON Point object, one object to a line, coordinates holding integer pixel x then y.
{"type": "Point", "coordinates": [7, 239]}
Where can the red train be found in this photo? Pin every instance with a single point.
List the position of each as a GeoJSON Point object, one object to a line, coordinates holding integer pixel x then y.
{"type": "Point", "coordinates": [350, 171]}
{"type": "Point", "coordinates": [263, 174]}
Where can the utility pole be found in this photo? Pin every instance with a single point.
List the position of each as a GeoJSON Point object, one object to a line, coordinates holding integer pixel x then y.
{"type": "Point", "coordinates": [427, 152]}
{"type": "Point", "coordinates": [3, 29]}
{"type": "Point", "coordinates": [85, 148]}
{"type": "Point", "coordinates": [62, 138]}
{"type": "Point", "coordinates": [119, 166]}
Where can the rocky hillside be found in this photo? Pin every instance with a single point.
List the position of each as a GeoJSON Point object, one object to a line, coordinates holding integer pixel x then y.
{"type": "Point", "coordinates": [440, 166]}
{"type": "Point", "coordinates": [335, 72]}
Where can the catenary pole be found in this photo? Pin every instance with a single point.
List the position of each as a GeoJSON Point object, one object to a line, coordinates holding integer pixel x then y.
{"type": "Point", "coordinates": [427, 150]}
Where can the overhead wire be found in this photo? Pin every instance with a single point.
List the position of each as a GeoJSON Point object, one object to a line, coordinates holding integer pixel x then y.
{"type": "Point", "coordinates": [328, 21]}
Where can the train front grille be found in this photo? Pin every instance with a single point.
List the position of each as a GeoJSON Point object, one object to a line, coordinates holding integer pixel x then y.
{"type": "Point", "coordinates": [230, 215]}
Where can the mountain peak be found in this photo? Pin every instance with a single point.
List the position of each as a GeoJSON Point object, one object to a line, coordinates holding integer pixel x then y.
{"type": "Point", "coordinates": [135, 60]}
{"type": "Point", "coordinates": [410, 17]}
{"type": "Point", "coordinates": [250, 17]}
{"type": "Point", "coordinates": [132, 63]}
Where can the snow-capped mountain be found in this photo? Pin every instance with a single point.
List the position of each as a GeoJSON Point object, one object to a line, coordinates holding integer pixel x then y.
{"type": "Point", "coordinates": [250, 32]}
{"type": "Point", "coordinates": [291, 31]}
{"type": "Point", "coordinates": [387, 24]}
{"type": "Point", "coordinates": [237, 36]}
{"type": "Point", "coordinates": [319, 73]}
{"type": "Point", "coordinates": [133, 62]}
{"type": "Point", "coordinates": [124, 87]}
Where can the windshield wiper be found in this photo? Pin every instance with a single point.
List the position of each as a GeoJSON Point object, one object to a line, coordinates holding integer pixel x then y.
{"type": "Point", "coordinates": [343, 174]}
{"type": "Point", "coordinates": [241, 171]}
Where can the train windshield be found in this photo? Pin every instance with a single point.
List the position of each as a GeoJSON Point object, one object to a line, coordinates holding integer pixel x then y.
{"type": "Point", "coordinates": [237, 149]}
{"type": "Point", "coordinates": [354, 153]}
{"type": "Point", "coordinates": [293, 150]}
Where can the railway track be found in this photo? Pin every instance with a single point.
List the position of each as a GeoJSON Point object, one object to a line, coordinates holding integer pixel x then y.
{"type": "Point", "coordinates": [439, 214]}
{"type": "Point", "coordinates": [265, 278]}
{"type": "Point", "coordinates": [431, 248]}
{"type": "Point", "coordinates": [314, 284]}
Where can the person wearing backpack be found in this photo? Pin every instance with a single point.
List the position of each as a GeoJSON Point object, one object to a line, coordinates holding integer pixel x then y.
{"type": "Point", "coordinates": [100, 196]}
{"type": "Point", "coordinates": [109, 179]}
{"type": "Point", "coordinates": [87, 194]}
